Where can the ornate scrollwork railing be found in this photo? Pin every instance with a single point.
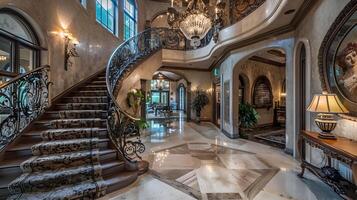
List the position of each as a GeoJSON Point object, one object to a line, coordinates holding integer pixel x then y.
{"type": "Point", "coordinates": [22, 100]}
{"type": "Point", "coordinates": [122, 127]}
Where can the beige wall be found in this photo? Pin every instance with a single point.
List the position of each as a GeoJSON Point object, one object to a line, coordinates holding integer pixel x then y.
{"type": "Point", "coordinates": [252, 70]}
{"type": "Point", "coordinates": [96, 43]}
{"type": "Point", "coordinates": [200, 80]}
{"type": "Point", "coordinates": [311, 32]}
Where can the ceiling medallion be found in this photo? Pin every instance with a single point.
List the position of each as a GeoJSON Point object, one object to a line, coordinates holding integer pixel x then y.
{"type": "Point", "coordinates": [196, 21]}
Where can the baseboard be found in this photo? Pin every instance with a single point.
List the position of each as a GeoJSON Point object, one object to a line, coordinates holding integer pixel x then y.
{"type": "Point", "coordinates": [236, 136]}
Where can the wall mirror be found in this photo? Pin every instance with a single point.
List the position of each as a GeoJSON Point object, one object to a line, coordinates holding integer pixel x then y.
{"type": "Point", "coordinates": [338, 59]}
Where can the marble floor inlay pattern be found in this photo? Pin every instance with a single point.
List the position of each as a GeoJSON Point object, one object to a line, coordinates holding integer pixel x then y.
{"type": "Point", "coordinates": [213, 171]}
{"type": "Point", "coordinates": [190, 161]}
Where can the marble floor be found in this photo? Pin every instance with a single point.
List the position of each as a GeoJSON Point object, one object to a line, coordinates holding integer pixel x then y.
{"type": "Point", "coordinates": [190, 161]}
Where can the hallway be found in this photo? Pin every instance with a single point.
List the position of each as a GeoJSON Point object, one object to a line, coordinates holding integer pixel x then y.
{"type": "Point", "coordinates": [190, 161]}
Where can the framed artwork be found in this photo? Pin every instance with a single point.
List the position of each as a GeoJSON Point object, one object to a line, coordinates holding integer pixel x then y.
{"type": "Point", "coordinates": [262, 93]}
{"type": "Point", "coordinates": [338, 59]}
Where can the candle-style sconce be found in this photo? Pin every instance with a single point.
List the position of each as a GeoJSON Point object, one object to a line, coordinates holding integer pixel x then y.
{"type": "Point", "coordinates": [70, 44]}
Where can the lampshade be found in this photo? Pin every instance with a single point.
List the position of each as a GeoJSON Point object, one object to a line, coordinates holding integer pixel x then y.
{"type": "Point", "coordinates": [326, 103]}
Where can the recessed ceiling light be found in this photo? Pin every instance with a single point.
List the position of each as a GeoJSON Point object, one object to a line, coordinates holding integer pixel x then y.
{"type": "Point", "coordinates": [288, 12]}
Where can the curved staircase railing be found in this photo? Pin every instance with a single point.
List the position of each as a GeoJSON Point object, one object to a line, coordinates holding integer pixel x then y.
{"type": "Point", "coordinates": [122, 126]}
{"type": "Point", "coordinates": [22, 100]}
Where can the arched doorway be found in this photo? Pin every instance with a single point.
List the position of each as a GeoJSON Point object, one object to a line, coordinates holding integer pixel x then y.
{"type": "Point", "coordinates": [167, 96]}
{"type": "Point", "coordinates": [19, 45]}
{"type": "Point", "coordinates": [266, 69]}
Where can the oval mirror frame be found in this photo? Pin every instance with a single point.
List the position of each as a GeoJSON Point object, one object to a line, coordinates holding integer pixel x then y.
{"type": "Point", "coordinates": [332, 76]}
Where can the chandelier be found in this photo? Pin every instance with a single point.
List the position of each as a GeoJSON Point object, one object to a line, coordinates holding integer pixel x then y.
{"type": "Point", "coordinates": [196, 21]}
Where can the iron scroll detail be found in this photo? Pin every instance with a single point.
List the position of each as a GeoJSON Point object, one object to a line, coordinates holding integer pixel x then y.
{"type": "Point", "coordinates": [22, 100]}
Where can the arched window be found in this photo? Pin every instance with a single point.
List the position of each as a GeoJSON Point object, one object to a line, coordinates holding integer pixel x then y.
{"type": "Point", "coordinates": [130, 19]}
{"type": "Point", "coordinates": [106, 13]}
{"type": "Point", "coordinates": [19, 47]}
{"type": "Point", "coordinates": [262, 93]}
{"type": "Point", "coordinates": [181, 97]}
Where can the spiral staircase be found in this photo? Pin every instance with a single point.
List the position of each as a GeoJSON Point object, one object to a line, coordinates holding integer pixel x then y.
{"type": "Point", "coordinates": [84, 145]}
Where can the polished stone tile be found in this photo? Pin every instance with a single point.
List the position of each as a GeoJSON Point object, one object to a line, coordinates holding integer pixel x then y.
{"type": "Point", "coordinates": [193, 161]}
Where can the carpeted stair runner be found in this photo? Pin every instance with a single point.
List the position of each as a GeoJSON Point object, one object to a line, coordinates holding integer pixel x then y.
{"type": "Point", "coordinates": [66, 164]}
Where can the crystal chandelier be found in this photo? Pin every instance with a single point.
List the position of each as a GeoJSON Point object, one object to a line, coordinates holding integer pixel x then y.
{"type": "Point", "coordinates": [196, 21]}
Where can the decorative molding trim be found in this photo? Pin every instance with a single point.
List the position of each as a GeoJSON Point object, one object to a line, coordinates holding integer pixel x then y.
{"type": "Point", "coordinates": [301, 13]}
{"type": "Point", "coordinates": [183, 68]}
{"type": "Point", "coordinates": [267, 61]}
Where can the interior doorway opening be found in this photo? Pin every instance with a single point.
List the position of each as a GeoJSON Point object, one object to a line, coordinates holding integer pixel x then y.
{"type": "Point", "coordinates": [166, 96]}
{"type": "Point", "coordinates": [261, 95]}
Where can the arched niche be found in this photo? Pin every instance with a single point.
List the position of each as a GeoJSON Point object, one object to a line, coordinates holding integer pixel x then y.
{"type": "Point", "coordinates": [262, 94]}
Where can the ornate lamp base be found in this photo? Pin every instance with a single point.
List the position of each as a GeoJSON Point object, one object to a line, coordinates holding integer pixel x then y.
{"type": "Point", "coordinates": [326, 123]}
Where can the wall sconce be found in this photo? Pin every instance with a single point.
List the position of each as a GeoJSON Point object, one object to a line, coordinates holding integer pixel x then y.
{"type": "Point", "coordinates": [3, 58]}
{"type": "Point", "coordinates": [209, 91]}
{"type": "Point", "coordinates": [69, 51]}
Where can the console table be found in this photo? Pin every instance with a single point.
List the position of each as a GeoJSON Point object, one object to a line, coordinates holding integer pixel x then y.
{"type": "Point", "coordinates": [342, 149]}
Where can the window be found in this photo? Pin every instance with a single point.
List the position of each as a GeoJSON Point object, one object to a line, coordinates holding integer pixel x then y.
{"type": "Point", "coordinates": [83, 3]}
{"type": "Point", "coordinates": [130, 19]}
{"type": "Point", "coordinates": [182, 98]}
{"type": "Point", "coordinates": [19, 49]}
{"type": "Point", "coordinates": [106, 12]}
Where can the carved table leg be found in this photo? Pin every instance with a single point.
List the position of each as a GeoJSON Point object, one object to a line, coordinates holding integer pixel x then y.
{"type": "Point", "coordinates": [301, 150]}
{"type": "Point", "coordinates": [354, 172]}
{"type": "Point", "coordinates": [301, 174]}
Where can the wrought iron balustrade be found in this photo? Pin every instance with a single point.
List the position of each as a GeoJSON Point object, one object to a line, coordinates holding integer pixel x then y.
{"type": "Point", "coordinates": [22, 100]}
{"type": "Point", "coordinates": [122, 127]}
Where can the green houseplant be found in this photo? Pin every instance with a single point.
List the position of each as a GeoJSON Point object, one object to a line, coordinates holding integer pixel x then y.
{"type": "Point", "coordinates": [248, 119]}
{"type": "Point", "coordinates": [134, 99]}
{"type": "Point", "coordinates": [199, 102]}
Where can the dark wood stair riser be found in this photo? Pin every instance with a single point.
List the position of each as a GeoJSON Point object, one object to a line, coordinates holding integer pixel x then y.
{"type": "Point", "coordinates": [75, 114]}
{"type": "Point", "coordinates": [85, 99]}
{"type": "Point", "coordinates": [82, 106]}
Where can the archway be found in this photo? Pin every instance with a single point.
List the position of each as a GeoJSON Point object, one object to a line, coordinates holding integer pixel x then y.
{"type": "Point", "coordinates": [167, 97]}
{"type": "Point", "coordinates": [267, 71]}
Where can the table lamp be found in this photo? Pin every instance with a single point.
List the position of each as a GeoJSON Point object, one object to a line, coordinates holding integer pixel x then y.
{"type": "Point", "coordinates": [326, 105]}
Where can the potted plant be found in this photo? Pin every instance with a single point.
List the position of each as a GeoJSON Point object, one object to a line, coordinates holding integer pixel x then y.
{"type": "Point", "coordinates": [248, 119]}
{"type": "Point", "coordinates": [134, 99]}
{"type": "Point", "coordinates": [199, 102]}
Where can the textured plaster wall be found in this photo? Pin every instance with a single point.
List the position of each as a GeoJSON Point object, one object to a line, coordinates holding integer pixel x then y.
{"type": "Point", "coordinates": [144, 71]}
{"type": "Point", "coordinates": [251, 70]}
{"type": "Point", "coordinates": [96, 43]}
{"type": "Point", "coordinates": [312, 31]}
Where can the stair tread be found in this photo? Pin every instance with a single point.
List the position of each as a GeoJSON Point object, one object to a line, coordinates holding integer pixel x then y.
{"type": "Point", "coordinates": [5, 179]}
{"type": "Point", "coordinates": [38, 132]}
{"type": "Point", "coordinates": [13, 161]}
{"type": "Point", "coordinates": [22, 146]}
{"type": "Point", "coordinates": [71, 119]}
{"type": "Point", "coordinates": [74, 141]}
{"type": "Point", "coordinates": [111, 180]}
{"type": "Point", "coordinates": [111, 164]}
{"type": "Point", "coordinates": [82, 111]}
{"type": "Point", "coordinates": [63, 192]}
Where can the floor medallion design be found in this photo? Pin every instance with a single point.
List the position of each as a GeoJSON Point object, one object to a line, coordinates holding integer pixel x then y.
{"type": "Point", "coordinates": [210, 171]}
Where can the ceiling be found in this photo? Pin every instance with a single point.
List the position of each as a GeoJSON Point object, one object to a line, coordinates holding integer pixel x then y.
{"type": "Point", "coordinates": [272, 57]}
{"type": "Point", "coordinates": [169, 75]}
